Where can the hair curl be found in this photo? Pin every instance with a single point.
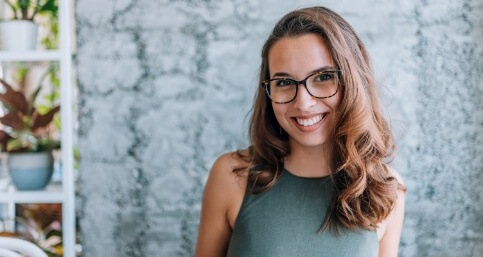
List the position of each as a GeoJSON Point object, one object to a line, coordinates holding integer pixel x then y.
{"type": "Point", "coordinates": [365, 192]}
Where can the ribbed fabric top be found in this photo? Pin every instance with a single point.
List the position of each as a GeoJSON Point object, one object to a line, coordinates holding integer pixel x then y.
{"type": "Point", "coordinates": [284, 222]}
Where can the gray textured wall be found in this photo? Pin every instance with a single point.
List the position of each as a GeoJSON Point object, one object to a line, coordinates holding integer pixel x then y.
{"type": "Point", "coordinates": [165, 87]}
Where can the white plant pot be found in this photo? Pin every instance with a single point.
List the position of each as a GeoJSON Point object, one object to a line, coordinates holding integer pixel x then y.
{"type": "Point", "coordinates": [30, 171]}
{"type": "Point", "coordinates": [18, 35]}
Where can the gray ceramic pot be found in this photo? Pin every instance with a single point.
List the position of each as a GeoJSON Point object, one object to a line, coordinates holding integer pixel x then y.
{"type": "Point", "coordinates": [30, 171]}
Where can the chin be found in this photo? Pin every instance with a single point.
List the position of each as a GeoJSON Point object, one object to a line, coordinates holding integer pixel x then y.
{"type": "Point", "coordinates": [310, 142]}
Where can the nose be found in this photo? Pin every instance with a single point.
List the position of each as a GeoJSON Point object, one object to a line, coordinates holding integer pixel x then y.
{"type": "Point", "coordinates": [304, 100]}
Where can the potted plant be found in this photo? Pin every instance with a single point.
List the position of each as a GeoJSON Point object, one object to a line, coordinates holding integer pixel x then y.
{"type": "Point", "coordinates": [40, 224]}
{"type": "Point", "coordinates": [25, 137]}
{"type": "Point", "coordinates": [20, 32]}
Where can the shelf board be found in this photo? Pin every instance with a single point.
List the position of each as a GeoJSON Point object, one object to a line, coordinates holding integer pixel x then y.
{"type": "Point", "coordinates": [52, 194]}
{"type": "Point", "coordinates": [30, 56]}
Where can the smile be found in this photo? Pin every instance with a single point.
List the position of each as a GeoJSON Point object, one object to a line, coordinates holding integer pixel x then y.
{"type": "Point", "coordinates": [310, 122]}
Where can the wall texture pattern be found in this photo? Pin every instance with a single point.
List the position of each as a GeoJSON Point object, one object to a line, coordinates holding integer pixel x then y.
{"type": "Point", "coordinates": [165, 87]}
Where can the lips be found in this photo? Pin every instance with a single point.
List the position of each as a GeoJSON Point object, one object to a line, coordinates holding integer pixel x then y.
{"type": "Point", "coordinates": [307, 122]}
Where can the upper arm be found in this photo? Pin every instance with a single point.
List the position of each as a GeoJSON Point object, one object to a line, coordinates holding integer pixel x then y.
{"type": "Point", "coordinates": [389, 243]}
{"type": "Point", "coordinates": [220, 192]}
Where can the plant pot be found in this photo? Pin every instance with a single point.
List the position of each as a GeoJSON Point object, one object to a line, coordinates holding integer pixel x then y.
{"type": "Point", "coordinates": [18, 35]}
{"type": "Point", "coordinates": [30, 171]}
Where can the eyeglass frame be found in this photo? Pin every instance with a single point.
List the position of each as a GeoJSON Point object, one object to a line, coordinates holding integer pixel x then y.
{"type": "Point", "coordinates": [266, 84]}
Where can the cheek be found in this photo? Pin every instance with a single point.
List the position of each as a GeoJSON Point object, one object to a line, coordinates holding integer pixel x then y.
{"type": "Point", "coordinates": [334, 102]}
{"type": "Point", "coordinates": [279, 112]}
{"type": "Point", "coordinates": [335, 106]}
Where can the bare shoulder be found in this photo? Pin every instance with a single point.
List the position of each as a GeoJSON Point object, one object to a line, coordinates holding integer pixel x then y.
{"type": "Point", "coordinates": [222, 198]}
{"type": "Point", "coordinates": [396, 174]}
{"type": "Point", "coordinates": [389, 231]}
{"type": "Point", "coordinates": [226, 185]}
{"type": "Point", "coordinates": [222, 171]}
{"type": "Point", "coordinates": [230, 183]}
{"type": "Point", "coordinates": [229, 161]}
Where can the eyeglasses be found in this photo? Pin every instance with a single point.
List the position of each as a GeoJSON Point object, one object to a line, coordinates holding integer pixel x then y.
{"type": "Point", "coordinates": [321, 84]}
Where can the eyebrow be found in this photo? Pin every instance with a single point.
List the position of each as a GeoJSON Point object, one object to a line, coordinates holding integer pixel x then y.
{"type": "Point", "coordinates": [285, 74]}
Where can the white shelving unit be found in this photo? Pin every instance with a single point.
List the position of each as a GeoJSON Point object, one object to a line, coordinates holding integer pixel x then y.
{"type": "Point", "coordinates": [30, 56]}
{"type": "Point", "coordinates": [52, 194]}
{"type": "Point", "coordinates": [63, 193]}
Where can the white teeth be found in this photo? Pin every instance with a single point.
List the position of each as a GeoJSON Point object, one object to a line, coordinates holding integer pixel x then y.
{"type": "Point", "coordinates": [311, 121]}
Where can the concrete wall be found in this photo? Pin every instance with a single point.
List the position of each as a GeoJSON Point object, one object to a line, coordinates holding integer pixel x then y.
{"type": "Point", "coordinates": [165, 87]}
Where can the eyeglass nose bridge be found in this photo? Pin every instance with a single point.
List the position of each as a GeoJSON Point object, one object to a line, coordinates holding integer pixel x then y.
{"type": "Point", "coordinates": [304, 83]}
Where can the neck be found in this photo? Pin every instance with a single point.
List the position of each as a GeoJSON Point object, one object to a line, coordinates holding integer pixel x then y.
{"type": "Point", "coordinates": [310, 161]}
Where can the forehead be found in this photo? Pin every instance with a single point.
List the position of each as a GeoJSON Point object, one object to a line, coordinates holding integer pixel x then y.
{"type": "Point", "coordinates": [299, 55]}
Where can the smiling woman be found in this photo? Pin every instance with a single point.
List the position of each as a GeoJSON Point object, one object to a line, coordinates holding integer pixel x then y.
{"type": "Point", "coordinates": [315, 180]}
{"type": "Point", "coordinates": [309, 118]}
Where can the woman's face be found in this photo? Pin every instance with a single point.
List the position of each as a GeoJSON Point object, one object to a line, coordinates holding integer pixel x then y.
{"type": "Point", "coordinates": [308, 121]}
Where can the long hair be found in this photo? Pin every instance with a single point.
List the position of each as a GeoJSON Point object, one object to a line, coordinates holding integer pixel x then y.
{"type": "Point", "coordinates": [364, 190]}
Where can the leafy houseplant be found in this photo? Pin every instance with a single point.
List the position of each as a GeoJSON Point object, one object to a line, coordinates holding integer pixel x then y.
{"type": "Point", "coordinates": [25, 128]}
{"type": "Point", "coordinates": [39, 224]}
{"type": "Point", "coordinates": [25, 133]}
{"type": "Point", "coordinates": [27, 10]}
{"type": "Point", "coordinates": [20, 32]}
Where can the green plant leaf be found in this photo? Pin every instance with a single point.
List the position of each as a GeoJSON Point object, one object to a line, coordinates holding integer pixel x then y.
{"type": "Point", "coordinates": [14, 144]}
{"type": "Point", "coordinates": [47, 144]}
{"type": "Point", "coordinates": [27, 142]}
{"type": "Point", "coordinates": [24, 6]}
{"type": "Point", "coordinates": [27, 9]}
{"type": "Point", "coordinates": [49, 6]}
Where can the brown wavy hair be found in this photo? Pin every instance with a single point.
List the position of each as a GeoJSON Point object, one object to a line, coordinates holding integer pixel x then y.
{"type": "Point", "coordinates": [364, 190]}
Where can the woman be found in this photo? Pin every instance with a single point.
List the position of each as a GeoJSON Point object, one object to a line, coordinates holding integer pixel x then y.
{"type": "Point", "coordinates": [315, 181]}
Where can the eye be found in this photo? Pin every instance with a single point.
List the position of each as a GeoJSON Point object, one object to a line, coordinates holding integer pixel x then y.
{"type": "Point", "coordinates": [284, 82]}
{"type": "Point", "coordinates": [324, 76]}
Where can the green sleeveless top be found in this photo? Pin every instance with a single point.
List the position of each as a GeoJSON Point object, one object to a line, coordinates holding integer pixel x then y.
{"type": "Point", "coordinates": [284, 222]}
